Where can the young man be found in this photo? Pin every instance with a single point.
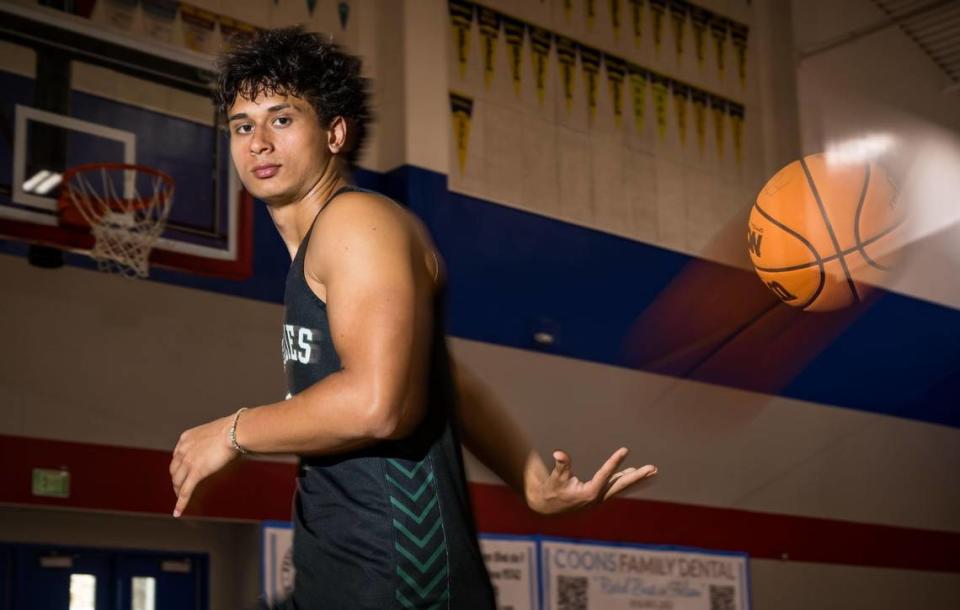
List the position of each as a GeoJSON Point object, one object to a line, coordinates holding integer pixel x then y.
{"type": "Point", "coordinates": [376, 410]}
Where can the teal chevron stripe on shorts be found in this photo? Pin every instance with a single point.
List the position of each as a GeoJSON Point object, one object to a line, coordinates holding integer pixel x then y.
{"type": "Point", "coordinates": [422, 567]}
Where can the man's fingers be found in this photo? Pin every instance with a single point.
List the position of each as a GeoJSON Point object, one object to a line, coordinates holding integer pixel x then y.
{"type": "Point", "coordinates": [178, 478]}
{"type": "Point", "coordinates": [627, 479]}
{"type": "Point", "coordinates": [186, 490]}
{"type": "Point", "coordinates": [600, 480]}
{"type": "Point", "coordinates": [561, 468]}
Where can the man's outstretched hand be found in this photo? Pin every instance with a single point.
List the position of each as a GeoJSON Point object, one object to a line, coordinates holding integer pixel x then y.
{"type": "Point", "coordinates": [560, 491]}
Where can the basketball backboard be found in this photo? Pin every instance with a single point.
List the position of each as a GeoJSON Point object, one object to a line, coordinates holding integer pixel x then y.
{"type": "Point", "coordinates": [77, 93]}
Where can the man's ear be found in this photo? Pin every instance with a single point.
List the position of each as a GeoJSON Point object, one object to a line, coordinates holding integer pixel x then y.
{"type": "Point", "coordinates": [337, 135]}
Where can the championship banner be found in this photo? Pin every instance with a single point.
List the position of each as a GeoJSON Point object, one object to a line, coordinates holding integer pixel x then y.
{"type": "Point", "coordinates": [678, 14]}
{"type": "Point", "coordinates": [489, 22]}
{"type": "Point", "coordinates": [636, 16]}
{"type": "Point", "coordinates": [276, 560]}
{"type": "Point", "coordinates": [616, 73]}
{"type": "Point", "coordinates": [159, 17]}
{"type": "Point", "coordinates": [590, 62]}
{"type": "Point", "coordinates": [616, 17]}
{"type": "Point", "coordinates": [736, 121]}
{"type": "Point", "coordinates": [567, 57]}
{"type": "Point", "coordinates": [540, 40]}
{"type": "Point", "coordinates": [619, 577]}
{"type": "Point", "coordinates": [660, 84]}
{"type": "Point", "coordinates": [700, 99]}
{"type": "Point", "coordinates": [680, 94]}
{"type": "Point", "coordinates": [738, 35]}
{"type": "Point", "coordinates": [513, 32]}
{"type": "Point", "coordinates": [121, 13]}
{"type": "Point", "coordinates": [638, 87]}
{"type": "Point", "coordinates": [230, 28]}
{"type": "Point", "coordinates": [719, 107]}
{"type": "Point", "coordinates": [590, 12]}
{"type": "Point", "coordinates": [511, 562]}
{"type": "Point", "coordinates": [461, 109]}
{"type": "Point", "coordinates": [198, 26]}
{"type": "Point", "coordinates": [659, 9]}
{"type": "Point", "coordinates": [718, 27]}
{"type": "Point", "coordinates": [461, 19]}
{"type": "Point", "coordinates": [700, 20]}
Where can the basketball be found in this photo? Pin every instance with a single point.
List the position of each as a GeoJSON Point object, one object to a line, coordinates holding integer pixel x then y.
{"type": "Point", "coordinates": [821, 234]}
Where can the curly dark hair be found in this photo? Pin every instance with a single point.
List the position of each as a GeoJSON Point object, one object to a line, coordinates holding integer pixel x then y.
{"type": "Point", "coordinates": [293, 61]}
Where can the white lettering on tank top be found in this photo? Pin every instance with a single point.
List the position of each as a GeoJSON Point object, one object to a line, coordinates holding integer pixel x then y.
{"type": "Point", "coordinates": [300, 344]}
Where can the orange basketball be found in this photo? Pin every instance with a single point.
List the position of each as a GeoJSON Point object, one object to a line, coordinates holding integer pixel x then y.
{"type": "Point", "coordinates": [821, 233]}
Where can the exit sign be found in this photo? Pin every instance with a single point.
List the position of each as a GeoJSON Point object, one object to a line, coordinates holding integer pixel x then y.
{"type": "Point", "coordinates": [51, 483]}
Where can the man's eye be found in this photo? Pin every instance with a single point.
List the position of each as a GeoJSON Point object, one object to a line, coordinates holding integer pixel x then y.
{"type": "Point", "coordinates": [243, 129]}
{"type": "Point", "coordinates": [282, 121]}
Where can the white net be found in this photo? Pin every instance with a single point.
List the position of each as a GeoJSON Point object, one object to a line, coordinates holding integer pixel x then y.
{"type": "Point", "coordinates": [126, 207]}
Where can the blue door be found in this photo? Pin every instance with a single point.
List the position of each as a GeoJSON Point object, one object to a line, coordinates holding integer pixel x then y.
{"type": "Point", "coordinates": [62, 578]}
{"type": "Point", "coordinates": [155, 581]}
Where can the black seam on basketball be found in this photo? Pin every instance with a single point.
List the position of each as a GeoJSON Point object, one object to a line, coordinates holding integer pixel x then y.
{"type": "Point", "coordinates": [861, 247]}
{"type": "Point", "coordinates": [833, 236]}
{"type": "Point", "coordinates": [828, 259]}
{"type": "Point", "coordinates": [804, 241]}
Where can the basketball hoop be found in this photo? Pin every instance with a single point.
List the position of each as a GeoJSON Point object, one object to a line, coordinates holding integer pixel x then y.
{"type": "Point", "coordinates": [125, 207]}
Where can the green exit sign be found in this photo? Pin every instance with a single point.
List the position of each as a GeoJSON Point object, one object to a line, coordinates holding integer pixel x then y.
{"type": "Point", "coordinates": [51, 483]}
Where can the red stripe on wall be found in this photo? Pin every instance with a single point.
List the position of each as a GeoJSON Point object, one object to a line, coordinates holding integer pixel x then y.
{"type": "Point", "coordinates": [137, 480]}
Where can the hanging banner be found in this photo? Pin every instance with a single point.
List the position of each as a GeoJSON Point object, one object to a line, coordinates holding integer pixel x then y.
{"type": "Point", "coordinates": [636, 16]}
{"type": "Point", "coordinates": [595, 576]}
{"type": "Point", "coordinates": [488, 21]}
{"type": "Point", "coordinates": [680, 94]}
{"type": "Point", "coordinates": [719, 107]}
{"type": "Point", "coordinates": [231, 28]}
{"type": "Point", "coordinates": [121, 13]}
{"type": "Point", "coordinates": [512, 564]}
{"type": "Point", "coordinates": [567, 8]}
{"type": "Point", "coordinates": [513, 32]}
{"type": "Point", "coordinates": [660, 84]}
{"type": "Point", "coordinates": [616, 17]}
{"type": "Point", "coordinates": [736, 121]}
{"type": "Point", "coordinates": [700, 20]}
{"type": "Point", "coordinates": [311, 6]}
{"type": "Point", "coordinates": [590, 63]}
{"type": "Point", "coordinates": [638, 87]}
{"type": "Point", "coordinates": [616, 73]}
{"type": "Point", "coordinates": [718, 27]}
{"type": "Point", "coordinates": [276, 561]}
{"type": "Point", "coordinates": [159, 17]}
{"type": "Point", "coordinates": [461, 20]}
{"type": "Point", "coordinates": [343, 12]}
{"type": "Point", "coordinates": [567, 58]}
{"type": "Point", "coordinates": [461, 109]}
{"type": "Point", "coordinates": [590, 12]}
{"type": "Point", "coordinates": [540, 40]}
{"type": "Point", "coordinates": [198, 27]}
{"type": "Point", "coordinates": [658, 8]}
{"type": "Point", "coordinates": [738, 35]}
{"type": "Point", "coordinates": [700, 99]}
{"type": "Point", "coordinates": [678, 15]}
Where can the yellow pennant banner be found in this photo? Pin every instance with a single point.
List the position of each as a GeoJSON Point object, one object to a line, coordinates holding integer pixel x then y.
{"type": "Point", "coordinates": [719, 107]}
{"type": "Point", "coordinates": [461, 19]}
{"type": "Point", "coordinates": [700, 99]}
{"type": "Point", "coordinates": [678, 15]}
{"type": "Point", "coordinates": [736, 121]}
{"type": "Point", "coordinates": [638, 87]}
{"type": "Point", "coordinates": [489, 22]}
{"type": "Point", "coordinates": [540, 40]}
{"type": "Point", "coordinates": [680, 94]}
{"type": "Point", "coordinates": [636, 16]}
{"type": "Point", "coordinates": [461, 109]}
{"type": "Point", "coordinates": [513, 30]}
{"type": "Point", "coordinates": [700, 20]}
{"type": "Point", "coordinates": [590, 63]}
{"type": "Point", "coordinates": [616, 74]}
{"type": "Point", "coordinates": [616, 17]}
{"type": "Point", "coordinates": [660, 85]}
{"type": "Point", "coordinates": [738, 35]}
{"type": "Point", "coordinates": [718, 27]}
{"type": "Point", "coordinates": [659, 9]}
{"type": "Point", "coordinates": [567, 57]}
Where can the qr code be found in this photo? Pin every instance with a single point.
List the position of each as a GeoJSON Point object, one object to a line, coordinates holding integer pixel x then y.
{"type": "Point", "coordinates": [721, 598]}
{"type": "Point", "coordinates": [572, 593]}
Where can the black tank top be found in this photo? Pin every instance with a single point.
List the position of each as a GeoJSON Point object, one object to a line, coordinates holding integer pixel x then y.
{"type": "Point", "coordinates": [390, 525]}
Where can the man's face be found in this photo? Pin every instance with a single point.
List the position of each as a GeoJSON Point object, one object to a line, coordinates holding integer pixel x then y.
{"type": "Point", "coordinates": [278, 146]}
